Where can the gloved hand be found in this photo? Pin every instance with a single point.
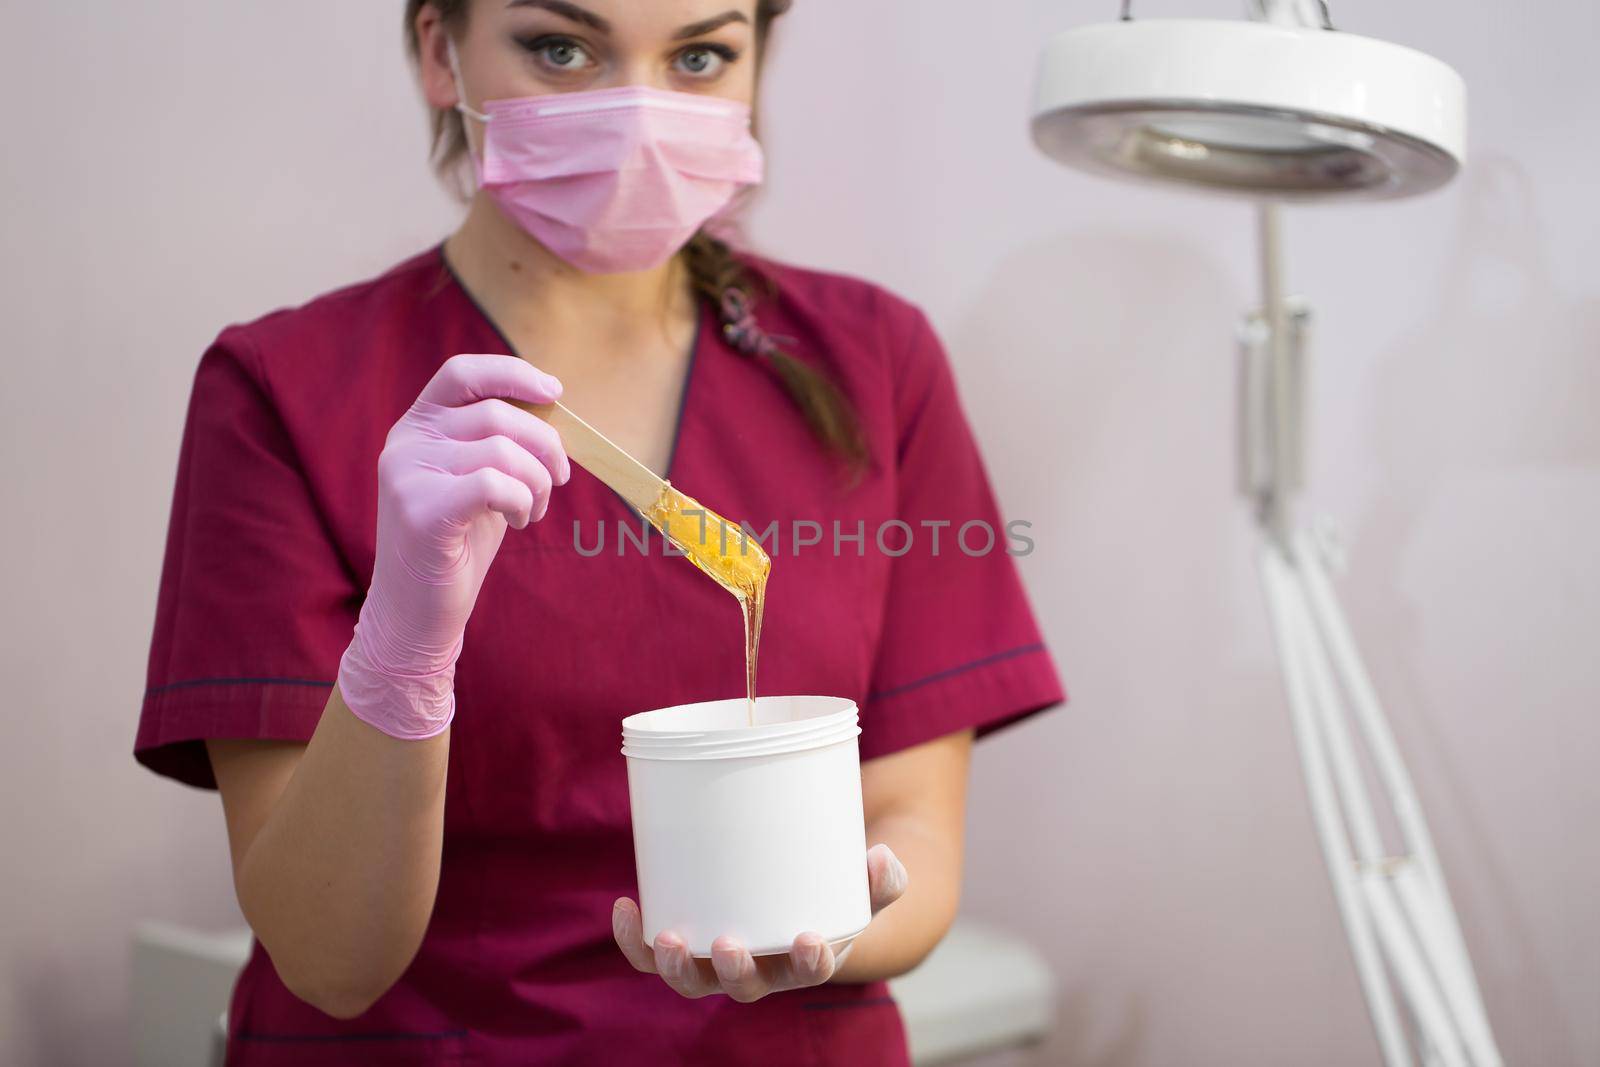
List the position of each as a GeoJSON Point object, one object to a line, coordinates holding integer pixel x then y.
{"type": "Point", "coordinates": [731, 969]}
{"type": "Point", "coordinates": [455, 470]}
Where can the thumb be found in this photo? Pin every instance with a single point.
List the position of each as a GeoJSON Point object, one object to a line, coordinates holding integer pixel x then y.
{"type": "Point", "coordinates": [887, 878]}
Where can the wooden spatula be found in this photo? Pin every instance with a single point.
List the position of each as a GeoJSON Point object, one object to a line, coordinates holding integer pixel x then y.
{"type": "Point", "coordinates": [632, 480]}
{"type": "Point", "coordinates": [718, 547]}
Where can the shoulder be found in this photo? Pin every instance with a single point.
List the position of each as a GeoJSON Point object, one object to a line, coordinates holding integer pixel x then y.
{"type": "Point", "coordinates": [329, 334]}
{"type": "Point", "coordinates": [826, 291]}
{"type": "Point", "coordinates": [861, 315]}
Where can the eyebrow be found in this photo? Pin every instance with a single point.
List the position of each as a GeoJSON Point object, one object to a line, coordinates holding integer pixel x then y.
{"type": "Point", "coordinates": [568, 11]}
{"type": "Point", "coordinates": [599, 25]}
{"type": "Point", "coordinates": [705, 26]}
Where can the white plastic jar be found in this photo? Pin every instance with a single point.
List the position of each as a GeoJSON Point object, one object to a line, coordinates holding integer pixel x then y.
{"type": "Point", "coordinates": [751, 831]}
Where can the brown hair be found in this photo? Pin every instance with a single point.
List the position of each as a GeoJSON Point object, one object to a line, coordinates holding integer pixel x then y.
{"type": "Point", "coordinates": [715, 272]}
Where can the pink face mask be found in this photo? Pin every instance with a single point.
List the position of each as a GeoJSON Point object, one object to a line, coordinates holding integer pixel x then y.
{"type": "Point", "coordinates": [616, 179]}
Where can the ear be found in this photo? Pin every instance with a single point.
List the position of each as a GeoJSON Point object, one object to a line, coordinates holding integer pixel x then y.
{"type": "Point", "coordinates": [433, 60]}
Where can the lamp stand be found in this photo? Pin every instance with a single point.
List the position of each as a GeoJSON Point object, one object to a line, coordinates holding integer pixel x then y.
{"type": "Point", "coordinates": [1397, 914]}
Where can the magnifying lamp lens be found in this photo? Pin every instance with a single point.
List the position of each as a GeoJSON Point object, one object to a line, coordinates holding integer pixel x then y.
{"type": "Point", "coordinates": [1248, 152]}
{"type": "Point", "coordinates": [1247, 132]}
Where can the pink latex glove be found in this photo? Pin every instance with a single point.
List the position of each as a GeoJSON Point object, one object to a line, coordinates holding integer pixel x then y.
{"type": "Point", "coordinates": [455, 470]}
{"type": "Point", "coordinates": [731, 969]}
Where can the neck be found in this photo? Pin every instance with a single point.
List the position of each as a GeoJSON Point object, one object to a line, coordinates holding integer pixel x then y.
{"type": "Point", "coordinates": [531, 293]}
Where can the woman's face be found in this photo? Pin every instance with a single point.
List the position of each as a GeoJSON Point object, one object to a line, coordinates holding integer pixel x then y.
{"type": "Point", "coordinates": [517, 48]}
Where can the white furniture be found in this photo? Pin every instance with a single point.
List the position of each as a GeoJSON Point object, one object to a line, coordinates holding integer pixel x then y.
{"type": "Point", "coordinates": [181, 982]}
{"type": "Point", "coordinates": [982, 990]}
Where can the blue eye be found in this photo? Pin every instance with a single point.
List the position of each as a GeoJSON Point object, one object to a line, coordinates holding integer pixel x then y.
{"type": "Point", "coordinates": [559, 53]}
{"type": "Point", "coordinates": [704, 61]}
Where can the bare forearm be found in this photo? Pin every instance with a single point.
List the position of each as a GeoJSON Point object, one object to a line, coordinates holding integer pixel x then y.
{"type": "Point", "coordinates": [903, 934]}
{"type": "Point", "coordinates": [339, 880]}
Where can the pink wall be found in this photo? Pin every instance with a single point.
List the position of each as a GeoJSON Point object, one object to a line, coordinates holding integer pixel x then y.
{"type": "Point", "coordinates": [178, 166]}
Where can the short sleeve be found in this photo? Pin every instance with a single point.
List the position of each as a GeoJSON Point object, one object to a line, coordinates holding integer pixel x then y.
{"type": "Point", "coordinates": [255, 603]}
{"type": "Point", "coordinates": [959, 647]}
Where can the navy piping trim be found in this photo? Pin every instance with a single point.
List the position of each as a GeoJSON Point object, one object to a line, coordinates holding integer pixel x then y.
{"type": "Point", "coordinates": [190, 683]}
{"type": "Point", "coordinates": [835, 1005]}
{"type": "Point", "coordinates": [1009, 653]}
{"type": "Point", "coordinates": [683, 394]}
{"type": "Point", "coordinates": [443, 1035]}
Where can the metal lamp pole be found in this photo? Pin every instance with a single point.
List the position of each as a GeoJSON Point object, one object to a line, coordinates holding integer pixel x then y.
{"type": "Point", "coordinates": [1397, 913]}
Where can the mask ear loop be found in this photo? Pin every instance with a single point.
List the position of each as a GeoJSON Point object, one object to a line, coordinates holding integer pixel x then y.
{"type": "Point", "coordinates": [461, 96]}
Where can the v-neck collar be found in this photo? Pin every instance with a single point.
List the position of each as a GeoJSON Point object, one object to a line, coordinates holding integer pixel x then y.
{"type": "Point", "coordinates": [702, 310]}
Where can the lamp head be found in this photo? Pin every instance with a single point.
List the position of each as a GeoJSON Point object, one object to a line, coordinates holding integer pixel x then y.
{"type": "Point", "coordinates": [1268, 111]}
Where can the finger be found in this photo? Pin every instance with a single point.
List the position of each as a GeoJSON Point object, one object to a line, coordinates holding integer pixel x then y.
{"type": "Point", "coordinates": [811, 959]}
{"type": "Point", "coordinates": [736, 970]}
{"type": "Point", "coordinates": [680, 971]}
{"type": "Point", "coordinates": [466, 379]}
{"type": "Point", "coordinates": [488, 418]}
{"type": "Point", "coordinates": [468, 496]}
{"type": "Point", "coordinates": [628, 928]}
{"type": "Point", "coordinates": [504, 455]}
{"type": "Point", "coordinates": [886, 877]}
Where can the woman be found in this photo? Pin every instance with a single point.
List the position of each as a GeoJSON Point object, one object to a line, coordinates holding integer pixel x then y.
{"type": "Point", "coordinates": [411, 712]}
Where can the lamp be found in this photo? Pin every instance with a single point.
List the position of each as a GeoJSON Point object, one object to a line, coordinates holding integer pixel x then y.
{"type": "Point", "coordinates": [1283, 108]}
{"type": "Point", "coordinates": [1251, 108]}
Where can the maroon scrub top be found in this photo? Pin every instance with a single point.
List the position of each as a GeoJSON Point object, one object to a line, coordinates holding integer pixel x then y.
{"type": "Point", "coordinates": [270, 550]}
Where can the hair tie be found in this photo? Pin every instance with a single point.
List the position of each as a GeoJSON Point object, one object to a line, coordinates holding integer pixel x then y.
{"type": "Point", "coordinates": [739, 326]}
